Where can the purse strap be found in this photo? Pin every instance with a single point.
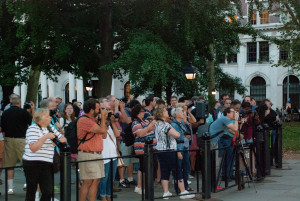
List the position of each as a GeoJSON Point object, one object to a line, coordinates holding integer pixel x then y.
{"type": "Point", "coordinates": [114, 144]}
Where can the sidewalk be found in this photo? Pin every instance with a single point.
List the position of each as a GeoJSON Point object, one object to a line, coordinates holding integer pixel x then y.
{"type": "Point", "coordinates": [283, 184]}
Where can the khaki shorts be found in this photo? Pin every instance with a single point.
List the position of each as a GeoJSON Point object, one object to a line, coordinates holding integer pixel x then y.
{"type": "Point", "coordinates": [14, 149]}
{"type": "Point", "coordinates": [1, 148]}
{"type": "Point", "coordinates": [90, 170]}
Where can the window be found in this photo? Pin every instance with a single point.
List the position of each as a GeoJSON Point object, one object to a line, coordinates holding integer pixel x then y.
{"type": "Point", "coordinates": [293, 91]}
{"type": "Point", "coordinates": [232, 58]}
{"type": "Point", "coordinates": [221, 59]}
{"type": "Point", "coordinates": [264, 51]}
{"type": "Point", "coordinates": [264, 18]}
{"type": "Point", "coordinates": [253, 17]}
{"type": "Point", "coordinates": [284, 52]}
{"type": "Point", "coordinates": [258, 89]}
{"type": "Point", "coordinates": [251, 52]}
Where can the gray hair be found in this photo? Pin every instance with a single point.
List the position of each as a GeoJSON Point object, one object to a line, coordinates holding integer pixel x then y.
{"type": "Point", "coordinates": [175, 111]}
{"type": "Point", "coordinates": [38, 115]}
{"type": "Point", "coordinates": [45, 103]}
{"type": "Point", "coordinates": [14, 100]}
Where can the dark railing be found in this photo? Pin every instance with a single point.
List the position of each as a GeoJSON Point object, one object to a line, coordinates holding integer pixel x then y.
{"type": "Point", "coordinates": [207, 162]}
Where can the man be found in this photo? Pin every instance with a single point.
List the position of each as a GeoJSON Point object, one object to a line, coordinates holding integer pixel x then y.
{"type": "Point", "coordinates": [173, 103]}
{"type": "Point", "coordinates": [60, 105]}
{"type": "Point", "coordinates": [160, 103]}
{"type": "Point", "coordinates": [91, 149]}
{"type": "Point", "coordinates": [226, 104]}
{"type": "Point", "coordinates": [14, 124]}
{"type": "Point", "coordinates": [51, 105]}
{"type": "Point", "coordinates": [150, 104]}
{"type": "Point", "coordinates": [13, 95]}
{"type": "Point", "coordinates": [222, 101]}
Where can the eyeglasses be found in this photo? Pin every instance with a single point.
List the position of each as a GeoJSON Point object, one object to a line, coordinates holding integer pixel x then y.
{"type": "Point", "coordinates": [142, 111]}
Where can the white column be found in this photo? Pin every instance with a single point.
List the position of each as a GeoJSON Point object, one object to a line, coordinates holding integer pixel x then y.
{"type": "Point", "coordinates": [112, 92]}
{"type": "Point", "coordinates": [44, 84]}
{"type": "Point", "coordinates": [80, 95]}
{"type": "Point", "coordinates": [23, 93]}
{"type": "Point", "coordinates": [71, 87]}
{"type": "Point", "coordinates": [17, 90]}
{"type": "Point", "coordinates": [51, 88]}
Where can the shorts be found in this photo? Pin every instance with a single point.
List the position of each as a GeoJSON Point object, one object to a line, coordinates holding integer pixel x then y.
{"type": "Point", "coordinates": [168, 162]}
{"type": "Point", "coordinates": [127, 151]}
{"type": "Point", "coordinates": [1, 148]}
{"type": "Point", "coordinates": [14, 149]}
{"type": "Point", "coordinates": [194, 145]}
{"type": "Point", "coordinates": [93, 169]}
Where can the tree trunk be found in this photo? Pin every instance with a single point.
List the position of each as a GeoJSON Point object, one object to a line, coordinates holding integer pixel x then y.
{"type": "Point", "coordinates": [33, 85]}
{"type": "Point", "coordinates": [105, 76]}
{"type": "Point", "coordinates": [211, 74]}
{"type": "Point", "coordinates": [169, 92]}
{"type": "Point", "coordinates": [7, 90]}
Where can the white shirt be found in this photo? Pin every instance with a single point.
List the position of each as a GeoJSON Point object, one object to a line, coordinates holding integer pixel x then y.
{"type": "Point", "coordinates": [109, 147]}
{"type": "Point", "coordinates": [46, 152]}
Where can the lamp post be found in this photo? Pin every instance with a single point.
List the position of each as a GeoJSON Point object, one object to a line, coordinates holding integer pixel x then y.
{"type": "Point", "coordinates": [89, 88]}
{"type": "Point", "coordinates": [214, 92]}
{"type": "Point", "coordinates": [189, 72]}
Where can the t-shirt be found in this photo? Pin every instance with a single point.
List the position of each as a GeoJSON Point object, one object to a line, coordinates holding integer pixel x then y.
{"type": "Point", "coordinates": [139, 142]}
{"type": "Point", "coordinates": [148, 113]}
{"type": "Point", "coordinates": [86, 125]}
{"type": "Point", "coordinates": [164, 140]}
{"type": "Point", "coordinates": [46, 152]}
{"type": "Point", "coordinates": [219, 125]}
{"type": "Point", "coordinates": [109, 147]}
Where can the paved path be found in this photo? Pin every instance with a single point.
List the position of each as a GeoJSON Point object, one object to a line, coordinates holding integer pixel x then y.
{"type": "Point", "coordinates": [283, 184]}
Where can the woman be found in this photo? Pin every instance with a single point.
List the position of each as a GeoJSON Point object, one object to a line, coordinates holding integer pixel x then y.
{"type": "Point", "coordinates": [182, 143]}
{"type": "Point", "coordinates": [165, 136]}
{"type": "Point", "coordinates": [109, 151]}
{"type": "Point", "coordinates": [38, 155]}
{"type": "Point", "coordinates": [67, 117]}
{"type": "Point", "coordinates": [141, 128]}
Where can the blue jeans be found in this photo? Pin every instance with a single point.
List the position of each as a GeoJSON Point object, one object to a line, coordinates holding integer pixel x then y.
{"type": "Point", "coordinates": [184, 166]}
{"type": "Point", "coordinates": [229, 157]}
{"type": "Point", "coordinates": [104, 188]}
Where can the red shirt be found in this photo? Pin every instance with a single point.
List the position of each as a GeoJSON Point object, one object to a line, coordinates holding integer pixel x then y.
{"type": "Point", "coordinates": [86, 125]}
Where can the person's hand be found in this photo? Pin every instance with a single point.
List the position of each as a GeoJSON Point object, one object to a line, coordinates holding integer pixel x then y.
{"type": "Point", "coordinates": [32, 105]}
{"type": "Point", "coordinates": [179, 155]}
{"type": "Point", "coordinates": [104, 113]}
{"type": "Point", "coordinates": [236, 115]}
{"type": "Point", "coordinates": [63, 139]}
{"type": "Point", "coordinates": [185, 109]}
{"type": "Point", "coordinates": [152, 125]}
{"type": "Point", "coordinates": [50, 136]}
{"type": "Point", "coordinates": [188, 136]}
{"type": "Point", "coordinates": [243, 120]}
{"type": "Point", "coordinates": [122, 105]}
{"type": "Point", "coordinates": [267, 112]}
{"type": "Point", "coordinates": [113, 119]}
{"type": "Point", "coordinates": [117, 103]}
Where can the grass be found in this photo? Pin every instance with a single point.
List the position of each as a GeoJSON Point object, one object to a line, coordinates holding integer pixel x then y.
{"type": "Point", "coordinates": [291, 136]}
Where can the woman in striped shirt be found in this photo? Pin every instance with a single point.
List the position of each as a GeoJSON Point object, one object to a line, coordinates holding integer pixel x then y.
{"type": "Point", "coordinates": [38, 155]}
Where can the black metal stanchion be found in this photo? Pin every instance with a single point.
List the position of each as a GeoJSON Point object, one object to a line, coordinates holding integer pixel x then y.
{"type": "Point", "coordinates": [148, 161]}
{"type": "Point", "coordinates": [267, 155]}
{"type": "Point", "coordinates": [77, 182]}
{"type": "Point", "coordinates": [213, 171]}
{"type": "Point", "coordinates": [259, 139]}
{"type": "Point", "coordinates": [206, 180]}
{"type": "Point", "coordinates": [6, 185]}
{"type": "Point", "coordinates": [278, 146]}
{"type": "Point", "coordinates": [65, 176]}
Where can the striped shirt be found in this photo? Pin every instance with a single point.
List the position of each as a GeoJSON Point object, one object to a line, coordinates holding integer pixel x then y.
{"type": "Point", "coordinates": [46, 152]}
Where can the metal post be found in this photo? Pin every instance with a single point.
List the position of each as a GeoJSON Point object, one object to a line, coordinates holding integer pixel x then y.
{"type": "Point", "coordinates": [77, 181]}
{"type": "Point", "coordinates": [148, 161]}
{"type": "Point", "coordinates": [206, 180]}
{"type": "Point", "coordinates": [111, 169]}
{"type": "Point", "coordinates": [278, 147]}
{"type": "Point", "coordinates": [213, 171]}
{"type": "Point", "coordinates": [6, 185]}
{"type": "Point", "coordinates": [267, 159]}
{"type": "Point", "coordinates": [65, 176]}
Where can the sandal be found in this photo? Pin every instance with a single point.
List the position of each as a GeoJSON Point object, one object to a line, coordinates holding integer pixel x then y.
{"type": "Point", "coordinates": [189, 189]}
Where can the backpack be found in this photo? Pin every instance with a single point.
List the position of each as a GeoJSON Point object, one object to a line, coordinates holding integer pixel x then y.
{"type": "Point", "coordinates": [203, 131]}
{"type": "Point", "coordinates": [128, 136]}
{"type": "Point", "coordinates": [71, 135]}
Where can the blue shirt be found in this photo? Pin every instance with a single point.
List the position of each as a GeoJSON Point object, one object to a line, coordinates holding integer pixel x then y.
{"type": "Point", "coordinates": [217, 126]}
{"type": "Point", "coordinates": [180, 128]}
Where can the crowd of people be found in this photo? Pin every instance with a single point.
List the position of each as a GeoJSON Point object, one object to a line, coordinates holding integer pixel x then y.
{"type": "Point", "coordinates": [29, 135]}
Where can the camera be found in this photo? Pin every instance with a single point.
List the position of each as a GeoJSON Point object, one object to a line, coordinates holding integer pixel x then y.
{"type": "Point", "coordinates": [148, 140]}
{"type": "Point", "coordinates": [116, 115]}
{"type": "Point", "coordinates": [201, 109]}
{"type": "Point", "coordinates": [27, 105]}
{"type": "Point", "coordinates": [190, 105]}
{"type": "Point", "coordinates": [244, 113]}
{"type": "Point", "coordinates": [267, 127]}
{"type": "Point", "coordinates": [259, 135]}
{"type": "Point", "coordinates": [63, 146]}
{"type": "Point", "coordinates": [277, 124]}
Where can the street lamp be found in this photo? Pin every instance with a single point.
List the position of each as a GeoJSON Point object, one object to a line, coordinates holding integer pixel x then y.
{"type": "Point", "coordinates": [89, 87]}
{"type": "Point", "coordinates": [214, 92]}
{"type": "Point", "coordinates": [189, 72]}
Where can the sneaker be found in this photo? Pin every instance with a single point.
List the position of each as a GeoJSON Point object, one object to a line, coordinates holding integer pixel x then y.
{"type": "Point", "coordinates": [166, 195]}
{"type": "Point", "coordinates": [10, 191]}
{"type": "Point", "coordinates": [25, 187]}
{"type": "Point", "coordinates": [123, 184]}
{"type": "Point", "coordinates": [138, 190]}
{"type": "Point", "coordinates": [133, 182]}
{"type": "Point", "coordinates": [37, 199]}
{"type": "Point", "coordinates": [56, 199]}
{"type": "Point", "coordinates": [184, 195]}
{"type": "Point", "coordinates": [219, 187]}
{"type": "Point", "coordinates": [189, 182]}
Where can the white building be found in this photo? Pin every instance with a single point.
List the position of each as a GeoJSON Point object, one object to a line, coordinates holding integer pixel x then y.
{"type": "Point", "coordinates": [253, 64]}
